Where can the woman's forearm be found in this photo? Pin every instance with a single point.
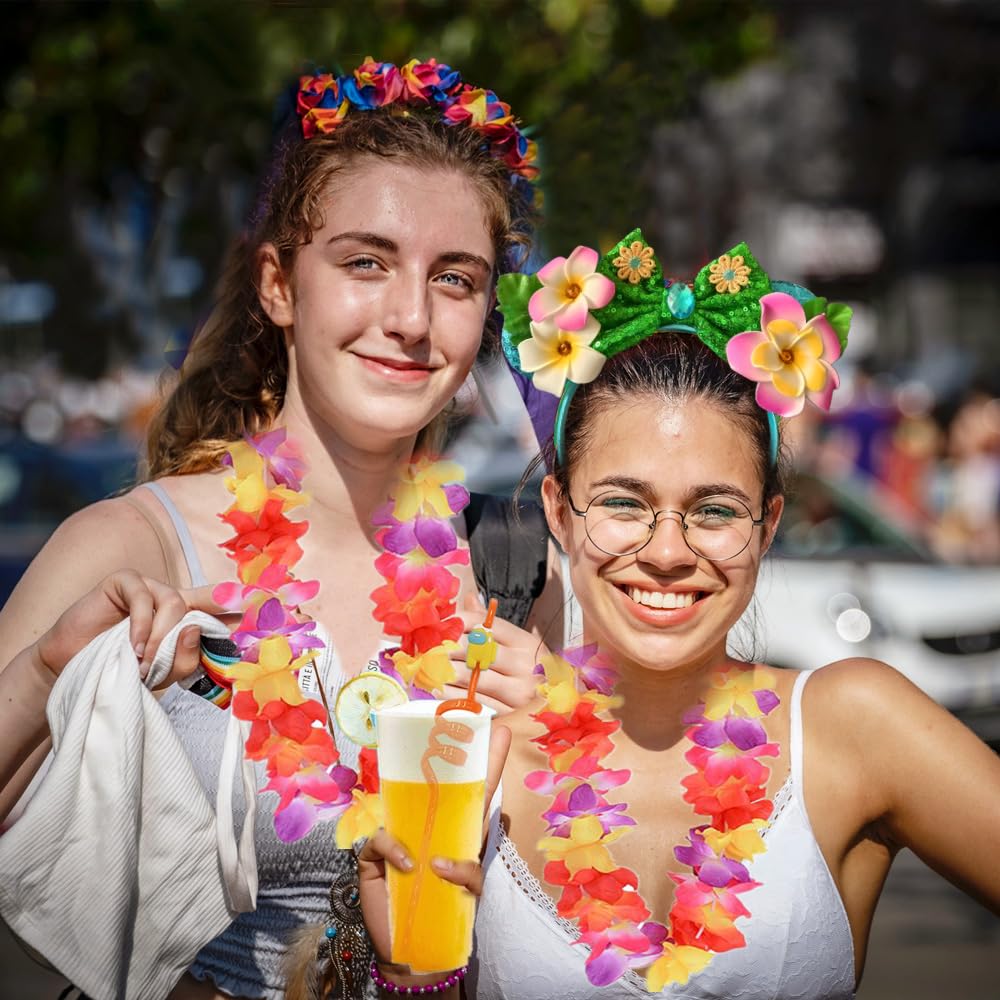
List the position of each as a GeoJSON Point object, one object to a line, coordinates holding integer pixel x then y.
{"type": "Point", "coordinates": [25, 686]}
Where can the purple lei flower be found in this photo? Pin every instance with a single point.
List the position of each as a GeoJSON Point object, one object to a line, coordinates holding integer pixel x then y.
{"type": "Point", "coordinates": [767, 701]}
{"type": "Point", "coordinates": [743, 733]}
{"type": "Point", "coordinates": [309, 796]}
{"type": "Point", "coordinates": [273, 619]}
{"type": "Point", "coordinates": [618, 949]}
{"type": "Point", "coordinates": [584, 801]}
{"type": "Point", "coordinates": [457, 496]}
{"type": "Point", "coordinates": [283, 461]}
{"type": "Point", "coordinates": [434, 535]}
{"type": "Point", "coordinates": [596, 670]}
{"type": "Point", "coordinates": [714, 870]}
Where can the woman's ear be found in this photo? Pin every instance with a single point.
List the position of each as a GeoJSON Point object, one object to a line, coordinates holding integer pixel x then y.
{"type": "Point", "coordinates": [555, 509]}
{"type": "Point", "coordinates": [273, 288]}
{"type": "Point", "coordinates": [771, 521]}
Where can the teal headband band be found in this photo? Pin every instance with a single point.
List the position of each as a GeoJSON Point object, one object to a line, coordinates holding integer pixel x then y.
{"type": "Point", "coordinates": [563, 323]}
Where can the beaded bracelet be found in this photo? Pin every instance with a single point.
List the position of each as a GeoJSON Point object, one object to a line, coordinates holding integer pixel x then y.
{"type": "Point", "coordinates": [417, 991]}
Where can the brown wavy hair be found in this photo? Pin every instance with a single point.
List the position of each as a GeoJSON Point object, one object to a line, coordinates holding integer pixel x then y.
{"type": "Point", "coordinates": [234, 378]}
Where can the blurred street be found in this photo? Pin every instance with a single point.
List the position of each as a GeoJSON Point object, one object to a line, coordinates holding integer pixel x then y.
{"type": "Point", "coordinates": [929, 942]}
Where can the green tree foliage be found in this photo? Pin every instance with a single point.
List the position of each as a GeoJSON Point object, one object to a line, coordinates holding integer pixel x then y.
{"type": "Point", "coordinates": [156, 116]}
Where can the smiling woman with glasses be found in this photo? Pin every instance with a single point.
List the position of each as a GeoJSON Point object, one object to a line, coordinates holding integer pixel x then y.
{"type": "Point", "coordinates": [717, 527]}
{"type": "Point", "coordinates": [674, 819]}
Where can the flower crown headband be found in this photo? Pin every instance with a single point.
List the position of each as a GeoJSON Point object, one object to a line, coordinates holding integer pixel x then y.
{"type": "Point", "coordinates": [563, 323]}
{"type": "Point", "coordinates": [324, 100]}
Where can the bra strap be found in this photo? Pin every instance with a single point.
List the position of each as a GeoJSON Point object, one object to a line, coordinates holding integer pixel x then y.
{"type": "Point", "coordinates": [197, 574]}
{"type": "Point", "coordinates": [795, 728]}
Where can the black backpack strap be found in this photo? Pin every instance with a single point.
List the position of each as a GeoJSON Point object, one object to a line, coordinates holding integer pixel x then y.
{"type": "Point", "coordinates": [509, 555]}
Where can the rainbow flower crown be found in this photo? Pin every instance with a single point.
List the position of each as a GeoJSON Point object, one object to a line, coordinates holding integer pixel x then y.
{"type": "Point", "coordinates": [563, 323]}
{"type": "Point", "coordinates": [325, 100]}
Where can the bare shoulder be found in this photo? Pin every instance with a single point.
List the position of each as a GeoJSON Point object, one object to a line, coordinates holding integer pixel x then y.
{"type": "Point", "coordinates": [861, 690]}
{"type": "Point", "coordinates": [88, 546]}
{"type": "Point", "coordinates": [866, 714]}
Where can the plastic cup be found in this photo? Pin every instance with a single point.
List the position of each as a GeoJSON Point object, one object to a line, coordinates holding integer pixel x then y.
{"type": "Point", "coordinates": [432, 774]}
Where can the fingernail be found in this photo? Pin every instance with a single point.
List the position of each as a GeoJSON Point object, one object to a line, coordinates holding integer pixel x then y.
{"type": "Point", "coordinates": [191, 639]}
{"type": "Point", "coordinates": [405, 863]}
{"type": "Point", "coordinates": [442, 864]}
{"type": "Point", "coordinates": [140, 648]}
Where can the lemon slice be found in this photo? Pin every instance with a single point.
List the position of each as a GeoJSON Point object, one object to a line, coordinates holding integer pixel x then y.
{"type": "Point", "coordinates": [358, 701]}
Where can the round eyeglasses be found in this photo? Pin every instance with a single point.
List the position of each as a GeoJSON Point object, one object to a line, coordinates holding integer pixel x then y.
{"type": "Point", "coordinates": [716, 527]}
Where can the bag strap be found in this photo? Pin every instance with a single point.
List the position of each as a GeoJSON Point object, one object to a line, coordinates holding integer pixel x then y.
{"type": "Point", "coordinates": [509, 554]}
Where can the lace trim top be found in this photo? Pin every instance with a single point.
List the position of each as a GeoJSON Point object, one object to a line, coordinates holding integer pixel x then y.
{"type": "Point", "coordinates": [799, 942]}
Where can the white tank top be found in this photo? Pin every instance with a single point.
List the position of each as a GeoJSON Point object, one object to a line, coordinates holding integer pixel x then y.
{"type": "Point", "coordinates": [798, 940]}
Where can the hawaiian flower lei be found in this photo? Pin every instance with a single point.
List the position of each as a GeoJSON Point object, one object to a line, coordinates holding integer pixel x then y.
{"type": "Point", "coordinates": [416, 604]}
{"type": "Point", "coordinates": [727, 787]}
{"type": "Point", "coordinates": [274, 640]}
{"type": "Point", "coordinates": [324, 100]}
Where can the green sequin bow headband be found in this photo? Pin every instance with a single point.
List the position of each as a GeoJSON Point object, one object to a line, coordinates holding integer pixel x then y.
{"type": "Point", "coordinates": [563, 323]}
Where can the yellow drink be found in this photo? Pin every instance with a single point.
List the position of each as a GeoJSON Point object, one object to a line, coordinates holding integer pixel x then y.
{"type": "Point", "coordinates": [431, 919]}
{"type": "Point", "coordinates": [432, 771]}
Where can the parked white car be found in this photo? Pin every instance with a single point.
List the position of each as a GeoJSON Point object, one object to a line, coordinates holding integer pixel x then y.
{"type": "Point", "coordinates": [845, 578]}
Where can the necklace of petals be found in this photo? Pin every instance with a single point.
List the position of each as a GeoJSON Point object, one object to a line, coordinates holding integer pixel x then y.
{"type": "Point", "coordinates": [727, 787]}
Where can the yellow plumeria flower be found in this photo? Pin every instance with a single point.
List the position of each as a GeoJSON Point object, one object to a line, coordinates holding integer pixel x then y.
{"type": "Point", "coordinates": [584, 847]}
{"type": "Point", "coordinates": [603, 702]}
{"type": "Point", "coordinates": [272, 677]}
{"type": "Point", "coordinates": [729, 274]}
{"type": "Point", "coordinates": [734, 689]}
{"type": "Point", "coordinates": [250, 571]}
{"type": "Point", "coordinates": [676, 965]}
{"type": "Point", "coordinates": [250, 492]}
{"type": "Point", "coordinates": [741, 844]}
{"type": "Point", "coordinates": [559, 687]}
{"type": "Point", "coordinates": [423, 485]}
{"type": "Point", "coordinates": [289, 498]}
{"type": "Point", "coordinates": [361, 819]}
{"type": "Point", "coordinates": [553, 355]}
{"type": "Point", "coordinates": [430, 670]}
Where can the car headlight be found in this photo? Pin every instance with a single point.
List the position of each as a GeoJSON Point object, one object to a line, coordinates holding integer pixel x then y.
{"type": "Point", "coordinates": [964, 645]}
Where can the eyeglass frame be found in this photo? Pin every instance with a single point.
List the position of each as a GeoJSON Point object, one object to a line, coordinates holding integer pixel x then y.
{"type": "Point", "coordinates": [755, 522]}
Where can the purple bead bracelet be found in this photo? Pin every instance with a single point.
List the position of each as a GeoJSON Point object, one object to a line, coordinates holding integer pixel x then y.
{"type": "Point", "coordinates": [417, 991]}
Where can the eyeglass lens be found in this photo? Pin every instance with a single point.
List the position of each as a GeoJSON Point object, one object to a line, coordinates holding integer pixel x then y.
{"type": "Point", "coordinates": [716, 527]}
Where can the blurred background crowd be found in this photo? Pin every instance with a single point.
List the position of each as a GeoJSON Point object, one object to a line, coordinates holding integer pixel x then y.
{"type": "Point", "coordinates": [854, 144]}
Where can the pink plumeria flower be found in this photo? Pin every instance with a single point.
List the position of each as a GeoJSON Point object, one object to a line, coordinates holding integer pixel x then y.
{"type": "Point", "coordinates": [553, 356]}
{"type": "Point", "coordinates": [570, 289]}
{"type": "Point", "coordinates": [790, 358]}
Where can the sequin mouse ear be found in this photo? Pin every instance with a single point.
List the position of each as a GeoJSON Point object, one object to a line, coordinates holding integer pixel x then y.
{"type": "Point", "coordinates": [563, 323]}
